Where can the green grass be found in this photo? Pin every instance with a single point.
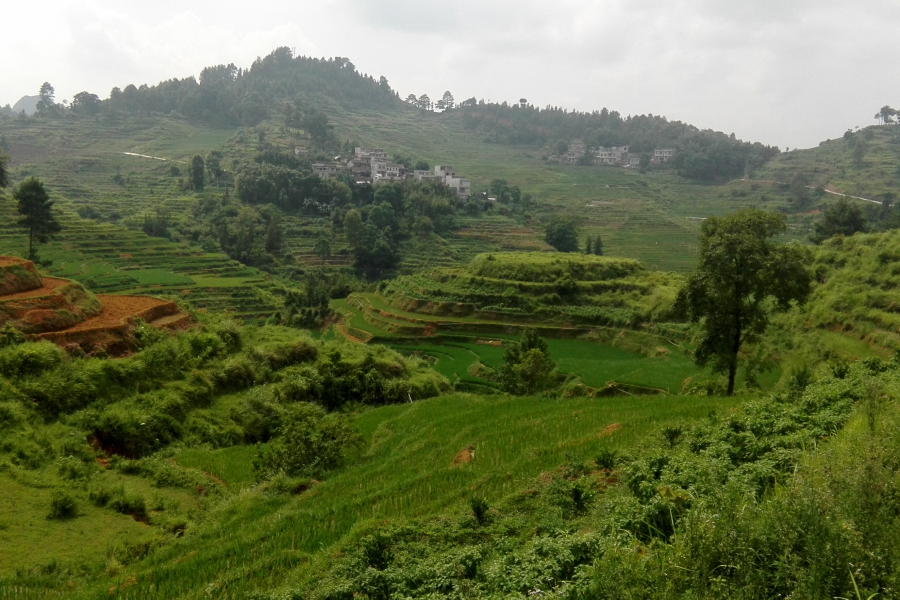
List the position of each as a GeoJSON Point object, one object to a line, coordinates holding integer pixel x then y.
{"type": "Point", "coordinates": [231, 465]}
{"type": "Point", "coordinates": [403, 471]}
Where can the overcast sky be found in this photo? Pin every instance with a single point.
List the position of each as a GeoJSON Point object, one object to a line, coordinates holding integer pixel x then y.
{"type": "Point", "coordinates": [783, 72]}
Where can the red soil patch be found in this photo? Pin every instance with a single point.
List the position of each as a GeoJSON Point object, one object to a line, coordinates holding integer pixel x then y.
{"type": "Point", "coordinates": [610, 429]}
{"type": "Point", "coordinates": [116, 309]}
{"type": "Point", "coordinates": [50, 284]}
{"type": "Point", "coordinates": [6, 261]}
{"type": "Point", "coordinates": [464, 457]}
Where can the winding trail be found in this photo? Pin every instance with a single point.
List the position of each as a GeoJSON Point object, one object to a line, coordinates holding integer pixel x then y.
{"type": "Point", "coordinates": [809, 187]}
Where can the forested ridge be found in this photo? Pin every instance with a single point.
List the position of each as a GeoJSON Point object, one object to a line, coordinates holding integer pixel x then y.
{"type": "Point", "coordinates": [701, 154]}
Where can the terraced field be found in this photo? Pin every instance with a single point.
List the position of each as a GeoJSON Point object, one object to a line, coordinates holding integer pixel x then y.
{"type": "Point", "coordinates": [112, 259]}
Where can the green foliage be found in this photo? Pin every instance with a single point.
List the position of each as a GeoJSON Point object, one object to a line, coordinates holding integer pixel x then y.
{"type": "Point", "coordinates": [29, 359]}
{"type": "Point", "coordinates": [36, 210]}
{"type": "Point", "coordinates": [740, 270]}
{"type": "Point", "coordinates": [527, 367]}
{"type": "Point", "coordinates": [839, 218]}
{"type": "Point", "coordinates": [4, 170]}
{"type": "Point", "coordinates": [62, 505]}
{"type": "Point", "coordinates": [310, 443]}
{"type": "Point", "coordinates": [562, 234]}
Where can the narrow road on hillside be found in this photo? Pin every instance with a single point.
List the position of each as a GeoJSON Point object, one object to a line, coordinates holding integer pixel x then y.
{"type": "Point", "coordinates": [809, 187]}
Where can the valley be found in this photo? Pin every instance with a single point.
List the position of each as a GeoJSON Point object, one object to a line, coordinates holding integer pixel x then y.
{"type": "Point", "coordinates": [226, 376]}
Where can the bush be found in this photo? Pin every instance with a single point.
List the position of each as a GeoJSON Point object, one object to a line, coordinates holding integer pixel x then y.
{"type": "Point", "coordinates": [134, 431]}
{"type": "Point", "coordinates": [62, 505]}
{"type": "Point", "coordinates": [310, 443]}
{"type": "Point", "coordinates": [30, 358]}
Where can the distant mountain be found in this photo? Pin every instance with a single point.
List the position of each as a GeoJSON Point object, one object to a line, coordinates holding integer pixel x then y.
{"type": "Point", "coordinates": [26, 103]}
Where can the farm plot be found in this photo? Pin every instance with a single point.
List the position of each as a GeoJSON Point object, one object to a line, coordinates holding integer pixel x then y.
{"type": "Point", "coordinates": [403, 471]}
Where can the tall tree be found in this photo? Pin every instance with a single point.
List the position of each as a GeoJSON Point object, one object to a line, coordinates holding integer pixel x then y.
{"type": "Point", "coordinates": [85, 103]}
{"type": "Point", "coordinates": [527, 366]}
{"type": "Point", "coordinates": [35, 207]}
{"type": "Point", "coordinates": [46, 104]}
{"type": "Point", "coordinates": [214, 166]}
{"type": "Point", "coordinates": [4, 171]}
{"type": "Point", "coordinates": [589, 246]}
{"type": "Point", "coordinates": [354, 228]}
{"type": "Point", "coordinates": [198, 173]}
{"type": "Point", "coordinates": [562, 234]}
{"type": "Point", "coordinates": [322, 247]}
{"type": "Point", "coordinates": [742, 273]}
{"type": "Point", "coordinates": [598, 246]}
{"type": "Point", "coordinates": [424, 102]}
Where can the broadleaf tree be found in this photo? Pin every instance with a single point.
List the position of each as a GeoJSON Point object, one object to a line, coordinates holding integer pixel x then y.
{"type": "Point", "coordinates": [839, 218]}
{"type": "Point", "coordinates": [562, 234]}
{"type": "Point", "coordinates": [742, 276]}
{"type": "Point", "coordinates": [35, 207]}
{"type": "Point", "coordinates": [527, 366]}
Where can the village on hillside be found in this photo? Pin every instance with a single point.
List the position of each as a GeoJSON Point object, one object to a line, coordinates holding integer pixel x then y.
{"type": "Point", "coordinates": [618, 156]}
{"type": "Point", "coordinates": [371, 165]}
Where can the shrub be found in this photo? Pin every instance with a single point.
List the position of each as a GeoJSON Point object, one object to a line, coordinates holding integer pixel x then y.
{"type": "Point", "coordinates": [259, 415]}
{"type": "Point", "coordinates": [30, 358]}
{"type": "Point", "coordinates": [310, 443]}
{"type": "Point", "coordinates": [62, 505]}
{"type": "Point", "coordinates": [134, 431]}
{"type": "Point", "coordinates": [100, 495]}
{"type": "Point", "coordinates": [479, 509]}
{"type": "Point", "coordinates": [70, 467]}
{"type": "Point", "coordinates": [129, 503]}
{"type": "Point", "coordinates": [10, 336]}
{"type": "Point", "coordinates": [606, 459]}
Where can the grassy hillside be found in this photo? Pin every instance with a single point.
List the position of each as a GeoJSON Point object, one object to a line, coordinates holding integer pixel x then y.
{"type": "Point", "coordinates": [863, 163]}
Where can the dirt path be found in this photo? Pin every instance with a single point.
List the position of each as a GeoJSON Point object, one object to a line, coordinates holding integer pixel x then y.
{"type": "Point", "coordinates": [809, 187]}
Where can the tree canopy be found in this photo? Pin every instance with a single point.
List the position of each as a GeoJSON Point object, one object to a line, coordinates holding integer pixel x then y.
{"type": "Point", "coordinates": [839, 218]}
{"type": "Point", "coordinates": [562, 234]}
{"type": "Point", "coordinates": [35, 207]}
{"type": "Point", "coordinates": [4, 171]}
{"type": "Point", "coordinates": [527, 367]}
{"type": "Point", "coordinates": [742, 275]}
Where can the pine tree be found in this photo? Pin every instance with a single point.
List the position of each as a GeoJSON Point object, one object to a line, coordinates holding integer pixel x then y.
{"type": "Point", "coordinates": [598, 246]}
{"type": "Point", "coordinates": [588, 246]}
{"type": "Point", "coordinates": [35, 207]}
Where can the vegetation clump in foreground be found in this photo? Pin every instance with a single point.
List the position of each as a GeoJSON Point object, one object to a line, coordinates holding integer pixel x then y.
{"type": "Point", "coordinates": [711, 509]}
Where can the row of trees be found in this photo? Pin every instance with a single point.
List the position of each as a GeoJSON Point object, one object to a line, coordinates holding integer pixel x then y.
{"type": "Point", "coordinates": [226, 95]}
{"type": "Point", "coordinates": [446, 102]}
{"type": "Point", "coordinates": [886, 115]}
{"type": "Point", "coordinates": [704, 155]}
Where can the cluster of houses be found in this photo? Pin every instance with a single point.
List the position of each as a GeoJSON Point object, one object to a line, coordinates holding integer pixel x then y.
{"type": "Point", "coordinates": [617, 155]}
{"type": "Point", "coordinates": [371, 165]}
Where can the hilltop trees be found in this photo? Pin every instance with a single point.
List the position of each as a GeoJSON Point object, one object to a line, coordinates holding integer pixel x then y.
{"type": "Point", "coordinates": [741, 275]}
{"type": "Point", "coordinates": [46, 105]}
{"type": "Point", "coordinates": [886, 114]}
{"type": "Point", "coordinates": [35, 207]}
{"type": "Point", "coordinates": [86, 104]}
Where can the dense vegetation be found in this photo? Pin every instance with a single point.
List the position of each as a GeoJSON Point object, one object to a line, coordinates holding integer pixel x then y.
{"type": "Point", "coordinates": [594, 459]}
{"type": "Point", "coordinates": [227, 95]}
{"type": "Point", "coordinates": [699, 154]}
